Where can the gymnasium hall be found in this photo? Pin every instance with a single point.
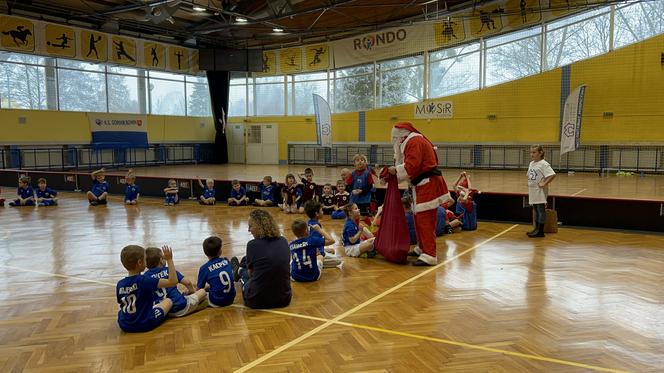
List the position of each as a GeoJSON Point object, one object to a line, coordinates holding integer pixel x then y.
{"type": "Point", "coordinates": [332, 186]}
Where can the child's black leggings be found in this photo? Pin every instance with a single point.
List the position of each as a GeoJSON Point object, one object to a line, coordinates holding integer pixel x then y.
{"type": "Point", "coordinates": [540, 213]}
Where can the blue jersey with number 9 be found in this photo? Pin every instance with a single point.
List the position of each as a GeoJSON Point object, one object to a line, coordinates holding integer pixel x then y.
{"type": "Point", "coordinates": [218, 273]}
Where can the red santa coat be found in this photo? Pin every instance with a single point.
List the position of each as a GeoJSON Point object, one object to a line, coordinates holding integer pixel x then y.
{"type": "Point", "coordinates": [419, 157]}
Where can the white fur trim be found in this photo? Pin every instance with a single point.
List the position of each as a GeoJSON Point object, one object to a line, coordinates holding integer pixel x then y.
{"type": "Point", "coordinates": [402, 175]}
{"type": "Point", "coordinates": [428, 259]}
{"type": "Point", "coordinates": [430, 205]}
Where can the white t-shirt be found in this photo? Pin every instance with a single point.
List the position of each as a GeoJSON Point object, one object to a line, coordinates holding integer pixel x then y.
{"type": "Point", "coordinates": [536, 172]}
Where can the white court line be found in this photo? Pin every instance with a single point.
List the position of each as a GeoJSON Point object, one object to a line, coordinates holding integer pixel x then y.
{"type": "Point", "coordinates": [579, 192]}
{"type": "Point", "coordinates": [58, 275]}
{"type": "Point", "coordinates": [368, 302]}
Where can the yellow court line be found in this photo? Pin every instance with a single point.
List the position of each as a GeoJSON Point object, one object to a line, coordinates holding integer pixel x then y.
{"type": "Point", "coordinates": [480, 347]}
{"type": "Point", "coordinates": [359, 307]}
{"type": "Point", "coordinates": [579, 192]}
{"type": "Point", "coordinates": [336, 320]}
{"type": "Point", "coordinates": [57, 275]}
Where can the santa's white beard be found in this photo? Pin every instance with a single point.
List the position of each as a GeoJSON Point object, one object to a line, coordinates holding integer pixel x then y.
{"type": "Point", "coordinates": [398, 155]}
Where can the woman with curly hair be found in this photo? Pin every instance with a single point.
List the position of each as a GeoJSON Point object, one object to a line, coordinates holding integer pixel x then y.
{"type": "Point", "coordinates": [265, 271]}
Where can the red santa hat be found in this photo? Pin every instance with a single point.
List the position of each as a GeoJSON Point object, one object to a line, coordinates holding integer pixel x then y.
{"type": "Point", "coordinates": [403, 129]}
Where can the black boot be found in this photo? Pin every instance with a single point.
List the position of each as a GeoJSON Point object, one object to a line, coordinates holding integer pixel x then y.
{"type": "Point", "coordinates": [533, 231]}
{"type": "Point", "coordinates": [538, 232]}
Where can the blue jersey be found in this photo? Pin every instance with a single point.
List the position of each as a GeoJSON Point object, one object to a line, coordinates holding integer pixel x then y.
{"type": "Point", "coordinates": [362, 181]}
{"type": "Point", "coordinates": [350, 229]}
{"type": "Point", "coordinates": [218, 273]}
{"type": "Point", "coordinates": [469, 218]}
{"type": "Point", "coordinates": [441, 220]}
{"type": "Point", "coordinates": [313, 233]}
{"type": "Point", "coordinates": [134, 295]}
{"type": "Point", "coordinates": [238, 194]}
{"type": "Point", "coordinates": [131, 193]}
{"type": "Point", "coordinates": [47, 193]}
{"type": "Point", "coordinates": [410, 219]}
{"type": "Point", "coordinates": [25, 192]}
{"type": "Point", "coordinates": [179, 301]}
{"type": "Point", "coordinates": [208, 193]}
{"type": "Point", "coordinates": [267, 192]}
{"type": "Point", "coordinates": [99, 188]}
{"type": "Point", "coordinates": [303, 258]}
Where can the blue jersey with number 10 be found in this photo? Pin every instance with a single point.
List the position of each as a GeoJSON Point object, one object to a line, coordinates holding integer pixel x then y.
{"type": "Point", "coordinates": [219, 274]}
{"type": "Point", "coordinates": [134, 295]}
{"type": "Point", "coordinates": [303, 258]}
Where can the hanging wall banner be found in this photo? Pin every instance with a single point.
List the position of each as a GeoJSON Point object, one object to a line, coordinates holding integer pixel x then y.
{"type": "Point", "coordinates": [269, 62]}
{"type": "Point", "coordinates": [383, 44]}
{"type": "Point", "coordinates": [450, 31]}
{"type": "Point", "coordinates": [17, 34]}
{"type": "Point", "coordinates": [317, 57]}
{"type": "Point", "coordinates": [434, 110]}
{"type": "Point", "coordinates": [523, 12]}
{"type": "Point", "coordinates": [570, 131]}
{"type": "Point", "coordinates": [487, 20]}
{"type": "Point", "coordinates": [94, 46]}
{"type": "Point", "coordinates": [178, 59]}
{"type": "Point", "coordinates": [323, 121]}
{"type": "Point", "coordinates": [154, 55]}
{"type": "Point", "coordinates": [120, 129]}
{"type": "Point", "coordinates": [60, 41]}
{"type": "Point", "coordinates": [290, 60]}
{"type": "Point", "coordinates": [123, 50]}
{"type": "Point", "coordinates": [52, 39]}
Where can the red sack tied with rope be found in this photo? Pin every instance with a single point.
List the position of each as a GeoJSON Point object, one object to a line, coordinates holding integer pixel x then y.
{"type": "Point", "coordinates": [393, 239]}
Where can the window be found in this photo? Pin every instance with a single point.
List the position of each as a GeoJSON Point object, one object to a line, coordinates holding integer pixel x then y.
{"type": "Point", "coordinates": [198, 100]}
{"type": "Point", "coordinates": [354, 88]}
{"type": "Point", "coordinates": [81, 91]}
{"type": "Point", "coordinates": [79, 65]}
{"type": "Point", "coordinates": [126, 94]}
{"type": "Point", "coordinates": [305, 86]}
{"type": "Point", "coordinates": [167, 97]}
{"type": "Point", "coordinates": [513, 56]}
{"type": "Point", "coordinates": [567, 42]}
{"type": "Point", "coordinates": [237, 98]}
{"type": "Point", "coordinates": [22, 86]}
{"type": "Point", "coordinates": [638, 21]}
{"type": "Point", "coordinates": [401, 81]}
{"type": "Point", "coordinates": [270, 95]}
{"type": "Point", "coordinates": [454, 70]}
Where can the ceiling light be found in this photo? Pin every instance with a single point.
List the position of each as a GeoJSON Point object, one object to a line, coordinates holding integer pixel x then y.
{"type": "Point", "coordinates": [240, 20]}
{"type": "Point", "coordinates": [199, 8]}
{"type": "Point", "coordinates": [277, 29]}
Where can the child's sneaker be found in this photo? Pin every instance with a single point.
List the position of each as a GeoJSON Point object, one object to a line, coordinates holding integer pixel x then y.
{"type": "Point", "coordinates": [235, 263]}
{"type": "Point", "coordinates": [370, 254]}
{"type": "Point", "coordinates": [41, 204]}
{"type": "Point", "coordinates": [94, 203]}
{"type": "Point", "coordinates": [12, 204]}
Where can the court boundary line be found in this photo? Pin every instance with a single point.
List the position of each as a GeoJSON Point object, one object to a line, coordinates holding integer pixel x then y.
{"type": "Point", "coordinates": [579, 192]}
{"type": "Point", "coordinates": [337, 320]}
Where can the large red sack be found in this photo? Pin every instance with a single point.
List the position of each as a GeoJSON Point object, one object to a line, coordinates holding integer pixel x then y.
{"type": "Point", "coordinates": [393, 239]}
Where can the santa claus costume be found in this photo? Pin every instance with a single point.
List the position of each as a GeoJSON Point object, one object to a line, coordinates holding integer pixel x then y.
{"type": "Point", "coordinates": [416, 161]}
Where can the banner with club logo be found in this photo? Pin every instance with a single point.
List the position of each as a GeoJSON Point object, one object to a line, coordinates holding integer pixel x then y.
{"type": "Point", "coordinates": [323, 121]}
{"type": "Point", "coordinates": [434, 110]}
{"type": "Point", "coordinates": [570, 131]}
{"type": "Point", "coordinates": [119, 130]}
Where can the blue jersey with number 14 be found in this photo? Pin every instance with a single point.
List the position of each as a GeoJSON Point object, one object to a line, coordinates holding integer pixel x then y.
{"type": "Point", "coordinates": [303, 254]}
{"type": "Point", "coordinates": [219, 274]}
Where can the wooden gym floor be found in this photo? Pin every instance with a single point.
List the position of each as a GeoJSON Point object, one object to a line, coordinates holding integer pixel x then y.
{"type": "Point", "coordinates": [580, 184]}
{"type": "Point", "coordinates": [575, 301]}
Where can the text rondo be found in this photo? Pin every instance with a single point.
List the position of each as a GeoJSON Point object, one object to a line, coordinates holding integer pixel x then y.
{"type": "Point", "coordinates": [379, 39]}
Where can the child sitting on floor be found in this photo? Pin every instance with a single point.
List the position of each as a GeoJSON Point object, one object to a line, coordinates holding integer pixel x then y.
{"type": "Point", "coordinates": [131, 192]}
{"type": "Point", "coordinates": [328, 200]}
{"type": "Point", "coordinates": [25, 193]}
{"type": "Point", "coordinates": [99, 191]}
{"type": "Point", "coordinates": [354, 246]}
{"type": "Point", "coordinates": [171, 192]}
{"type": "Point", "coordinates": [238, 194]}
{"type": "Point", "coordinates": [207, 198]}
{"type": "Point", "coordinates": [267, 193]}
{"type": "Point", "coordinates": [45, 195]}
{"type": "Point", "coordinates": [340, 200]}
{"type": "Point", "coordinates": [182, 304]}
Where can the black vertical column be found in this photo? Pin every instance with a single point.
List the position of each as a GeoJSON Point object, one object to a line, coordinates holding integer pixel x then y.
{"type": "Point", "coordinates": [219, 83]}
